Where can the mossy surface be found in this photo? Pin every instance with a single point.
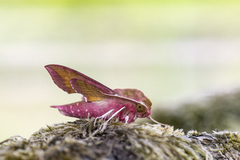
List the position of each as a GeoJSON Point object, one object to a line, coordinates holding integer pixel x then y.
{"type": "Point", "coordinates": [82, 139]}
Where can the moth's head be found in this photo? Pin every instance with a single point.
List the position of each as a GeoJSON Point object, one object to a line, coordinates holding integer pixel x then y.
{"type": "Point", "coordinates": [144, 105]}
{"type": "Point", "coordinates": [142, 110]}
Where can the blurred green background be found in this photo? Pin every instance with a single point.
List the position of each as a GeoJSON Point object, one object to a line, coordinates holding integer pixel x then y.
{"type": "Point", "coordinates": [173, 51]}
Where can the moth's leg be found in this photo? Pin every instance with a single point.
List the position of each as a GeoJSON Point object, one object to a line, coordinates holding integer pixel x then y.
{"type": "Point", "coordinates": [126, 119]}
{"type": "Point", "coordinates": [103, 126]}
{"type": "Point", "coordinates": [115, 114]}
{"type": "Point", "coordinates": [102, 116]}
{"type": "Point", "coordinates": [88, 116]}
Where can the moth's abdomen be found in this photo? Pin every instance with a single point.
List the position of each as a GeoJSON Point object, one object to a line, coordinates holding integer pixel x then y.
{"type": "Point", "coordinates": [84, 109]}
{"type": "Point", "coordinates": [77, 109]}
{"type": "Point", "coordinates": [96, 109]}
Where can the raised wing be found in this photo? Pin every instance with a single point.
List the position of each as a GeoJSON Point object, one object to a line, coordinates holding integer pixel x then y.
{"type": "Point", "coordinates": [67, 78]}
{"type": "Point", "coordinates": [90, 90]}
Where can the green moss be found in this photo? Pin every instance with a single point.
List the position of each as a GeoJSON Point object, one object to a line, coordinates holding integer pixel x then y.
{"type": "Point", "coordinates": [221, 144]}
{"type": "Point", "coordinates": [82, 139]}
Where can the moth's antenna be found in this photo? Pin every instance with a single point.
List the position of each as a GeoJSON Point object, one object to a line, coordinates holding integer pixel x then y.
{"type": "Point", "coordinates": [149, 117]}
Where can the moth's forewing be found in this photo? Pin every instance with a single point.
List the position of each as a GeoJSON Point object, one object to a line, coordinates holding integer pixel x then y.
{"type": "Point", "coordinates": [62, 75]}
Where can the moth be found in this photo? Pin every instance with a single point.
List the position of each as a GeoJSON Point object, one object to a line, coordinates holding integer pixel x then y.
{"type": "Point", "coordinates": [98, 100]}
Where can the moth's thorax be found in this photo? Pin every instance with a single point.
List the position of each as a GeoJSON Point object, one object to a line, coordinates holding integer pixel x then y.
{"type": "Point", "coordinates": [131, 106]}
{"type": "Point", "coordinates": [136, 95]}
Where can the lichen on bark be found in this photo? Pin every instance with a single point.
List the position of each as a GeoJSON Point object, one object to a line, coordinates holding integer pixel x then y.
{"type": "Point", "coordinates": [82, 139]}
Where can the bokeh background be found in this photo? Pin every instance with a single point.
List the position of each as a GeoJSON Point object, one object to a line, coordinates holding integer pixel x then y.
{"type": "Point", "coordinates": [174, 51]}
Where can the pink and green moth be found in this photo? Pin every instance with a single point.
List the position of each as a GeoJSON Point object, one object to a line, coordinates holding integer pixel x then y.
{"type": "Point", "coordinates": [98, 100]}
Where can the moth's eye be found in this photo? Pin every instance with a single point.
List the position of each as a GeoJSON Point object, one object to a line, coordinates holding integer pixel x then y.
{"type": "Point", "coordinates": [140, 108]}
